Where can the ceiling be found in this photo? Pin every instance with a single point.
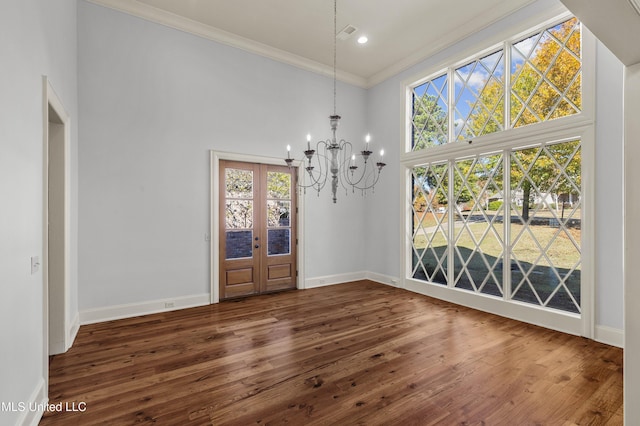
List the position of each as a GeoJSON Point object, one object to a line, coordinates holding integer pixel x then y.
{"type": "Point", "coordinates": [401, 33]}
{"type": "Point", "coordinates": [615, 22]}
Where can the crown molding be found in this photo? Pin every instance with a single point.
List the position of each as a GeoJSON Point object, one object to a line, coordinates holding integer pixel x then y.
{"type": "Point", "coordinates": [171, 20]}
{"type": "Point", "coordinates": [199, 29]}
{"type": "Point", "coordinates": [446, 41]}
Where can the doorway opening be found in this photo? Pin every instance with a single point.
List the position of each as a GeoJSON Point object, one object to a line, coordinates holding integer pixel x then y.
{"type": "Point", "coordinates": [57, 336]}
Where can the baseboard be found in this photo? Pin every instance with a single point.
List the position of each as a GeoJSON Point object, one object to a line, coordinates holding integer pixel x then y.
{"type": "Point", "coordinates": [73, 331]}
{"type": "Point", "coordinates": [334, 279]}
{"type": "Point", "coordinates": [129, 310]}
{"type": "Point", "coordinates": [610, 336]}
{"type": "Point", "coordinates": [63, 345]}
{"type": "Point", "coordinates": [34, 408]}
{"type": "Point", "coordinates": [382, 279]}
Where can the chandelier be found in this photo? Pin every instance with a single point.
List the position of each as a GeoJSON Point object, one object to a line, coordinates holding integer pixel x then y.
{"type": "Point", "coordinates": [337, 158]}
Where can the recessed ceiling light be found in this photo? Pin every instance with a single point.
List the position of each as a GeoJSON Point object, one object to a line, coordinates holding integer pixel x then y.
{"type": "Point", "coordinates": [363, 39]}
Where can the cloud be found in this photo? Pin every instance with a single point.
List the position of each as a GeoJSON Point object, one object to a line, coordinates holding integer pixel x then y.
{"type": "Point", "coordinates": [524, 48]}
{"type": "Point", "coordinates": [475, 81]}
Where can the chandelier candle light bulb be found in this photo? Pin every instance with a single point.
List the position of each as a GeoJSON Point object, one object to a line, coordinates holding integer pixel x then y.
{"type": "Point", "coordinates": [381, 163]}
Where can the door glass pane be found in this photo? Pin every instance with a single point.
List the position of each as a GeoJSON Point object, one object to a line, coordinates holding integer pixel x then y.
{"type": "Point", "coordinates": [278, 213]}
{"type": "Point", "coordinates": [279, 241]}
{"type": "Point", "coordinates": [546, 225]}
{"type": "Point", "coordinates": [279, 185]}
{"type": "Point", "coordinates": [239, 214]}
{"type": "Point", "coordinates": [430, 223]}
{"type": "Point", "coordinates": [478, 243]}
{"type": "Point", "coordinates": [239, 244]}
{"type": "Point", "coordinates": [279, 203]}
{"type": "Point", "coordinates": [238, 183]}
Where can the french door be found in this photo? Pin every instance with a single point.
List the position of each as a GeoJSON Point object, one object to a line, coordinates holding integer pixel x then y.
{"type": "Point", "coordinates": [257, 229]}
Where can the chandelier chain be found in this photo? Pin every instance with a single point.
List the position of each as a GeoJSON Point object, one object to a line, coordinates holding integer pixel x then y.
{"type": "Point", "coordinates": [335, 31]}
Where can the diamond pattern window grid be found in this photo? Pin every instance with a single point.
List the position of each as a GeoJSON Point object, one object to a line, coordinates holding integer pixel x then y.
{"type": "Point", "coordinates": [545, 246]}
{"type": "Point", "coordinates": [429, 119]}
{"type": "Point", "coordinates": [546, 75]}
{"type": "Point", "coordinates": [430, 223]}
{"type": "Point", "coordinates": [479, 97]}
{"type": "Point", "coordinates": [478, 243]}
{"type": "Point", "coordinates": [545, 83]}
{"type": "Point", "coordinates": [546, 253]}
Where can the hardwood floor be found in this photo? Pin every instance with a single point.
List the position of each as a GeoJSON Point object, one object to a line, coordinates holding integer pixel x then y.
{"type": "Point", "coordinates": [353, 354]}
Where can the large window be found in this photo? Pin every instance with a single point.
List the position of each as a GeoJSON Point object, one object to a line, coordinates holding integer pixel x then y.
{"type": "Point", "coordinates": [543, 81]}
{"type": "Point", "coordinates": [496, 199]}
{"type": "Point", "coordinates": [461, 237]}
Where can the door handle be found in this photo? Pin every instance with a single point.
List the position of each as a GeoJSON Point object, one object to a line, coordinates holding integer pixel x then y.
{"type": "Point", "coordinates": [257, 246]}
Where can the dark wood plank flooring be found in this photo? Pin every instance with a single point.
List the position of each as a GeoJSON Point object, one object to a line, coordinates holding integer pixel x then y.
{"type": "Point", "coordinates": [359, 353]}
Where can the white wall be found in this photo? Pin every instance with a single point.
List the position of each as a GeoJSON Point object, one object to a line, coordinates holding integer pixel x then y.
{"type": "Point", "coordinates": [609, 189]}
{"type": "Point", "coordinates": [632, 244]}
{"type": "Point", "coordinates": [385, 116]}
{"type": "Point", "coordinates": [153, 102]}
{"type": "Point", "coordinates": [36, 38]}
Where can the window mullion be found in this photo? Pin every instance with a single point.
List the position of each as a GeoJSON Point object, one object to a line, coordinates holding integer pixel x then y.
{"type": "Point", "coordinates": [506, 214]}
{"type": "Point", "coordinates": [507, 85]}
{"type": "Point", "coordinates": [451, 91]}
{"type": "Point", "coordinates": [451, 225]}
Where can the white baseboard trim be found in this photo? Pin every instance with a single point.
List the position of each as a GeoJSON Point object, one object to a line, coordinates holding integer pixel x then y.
{"type": "Point", "coordinates": [610, 336]}
{"type": "Point", "coordinates": [73, 331]}
{"type": "Point", "coordinates": [334, 279]}
{"type": "Point", "coordinates": [559, 321]}
{"type": "Point", "coordinates": [129, 310]}
{"type": "Point", "coordinates": [56, 348]}
{"type": "Point", "coordinates": [34, 409]}
{"type": "Point", "coordinates": [383, 279]}
{"type": "Point", "coordinates": [62, 346]}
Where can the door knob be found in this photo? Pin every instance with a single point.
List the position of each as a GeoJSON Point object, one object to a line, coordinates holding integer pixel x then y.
{"type": "Point", "coordinates": [257, 246]}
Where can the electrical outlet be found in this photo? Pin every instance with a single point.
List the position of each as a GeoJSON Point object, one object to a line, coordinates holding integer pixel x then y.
{"type": "Point", "coordinates": [35, 264]}
{"type": "Point", "coordinates": [169, 304]}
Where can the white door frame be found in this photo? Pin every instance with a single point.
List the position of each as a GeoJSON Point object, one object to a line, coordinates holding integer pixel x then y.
{"type": "Point", "coordinates": [55, 301]}
{"type": "Point", "coordinates": [216, 156]}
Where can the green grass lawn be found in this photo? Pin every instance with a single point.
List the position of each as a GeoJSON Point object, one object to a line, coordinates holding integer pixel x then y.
{"type": "Point", "coordinates": [562, 252]}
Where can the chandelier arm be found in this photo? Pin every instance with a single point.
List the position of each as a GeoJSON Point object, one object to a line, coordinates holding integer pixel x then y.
{"type": "Point", "coordinates": [318, 176]}
{"type": "Point", "coordinates": [364, 175]}
{"type": "Point", "coordinates": [367, 176]}
{"type": "Point", "coordinates": [376, 177]}
{"type": "Point", "coordinates": [347, 164]}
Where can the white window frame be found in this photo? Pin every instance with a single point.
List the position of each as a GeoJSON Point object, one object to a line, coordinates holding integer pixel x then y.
{"type": "Point", "coordinates": [576, 126]}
